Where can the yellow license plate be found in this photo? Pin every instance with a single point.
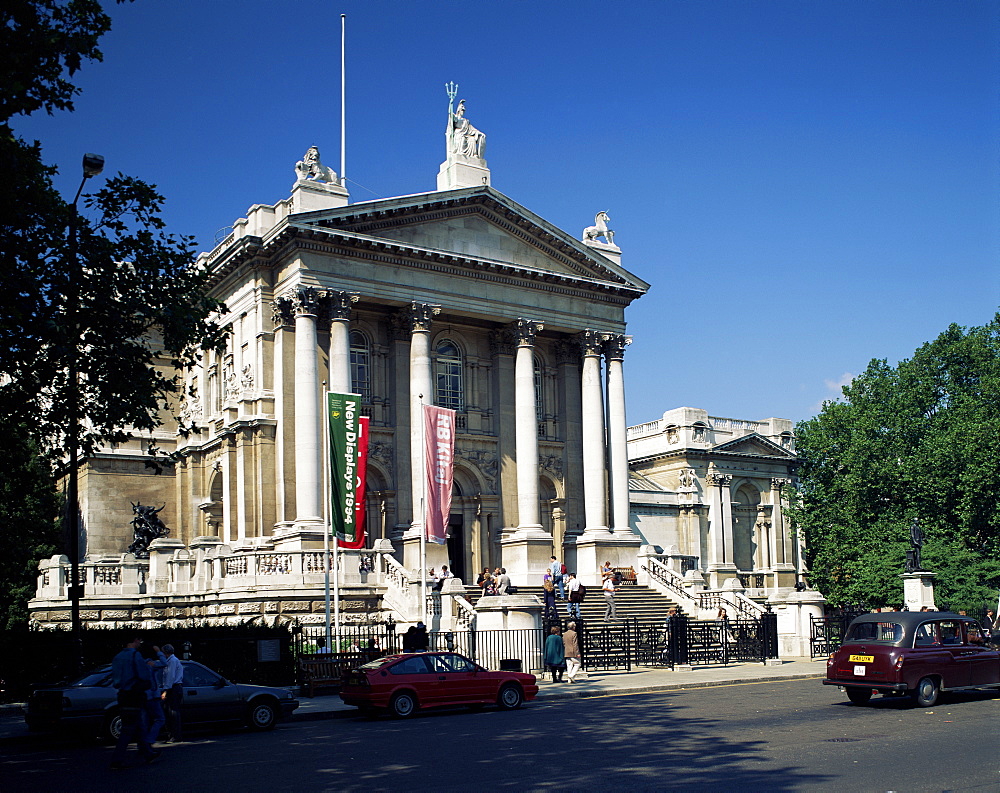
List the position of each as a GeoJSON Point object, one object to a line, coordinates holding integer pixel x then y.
{"type": "Point", "coordinates": [862, 659]}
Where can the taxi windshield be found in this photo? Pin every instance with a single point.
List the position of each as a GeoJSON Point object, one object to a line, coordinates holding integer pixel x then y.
{"type": "Point", "coordinates": [875, 632]}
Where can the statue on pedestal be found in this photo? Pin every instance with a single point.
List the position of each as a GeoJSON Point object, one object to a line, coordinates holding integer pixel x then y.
{"type": "Point", "coordinates": [463, 138]}
{"type": "Point", "coordinates": [310, 167]}
{"type": "Point", "coordinates": [913, 563]}
{"type": "Point", "coordinates": [146, 527]}
{"type": "Point", "coordinates": [599, 229]}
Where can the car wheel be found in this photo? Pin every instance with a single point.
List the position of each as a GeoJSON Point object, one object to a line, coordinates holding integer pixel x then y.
{"type": "Point", "coordinates": [263, 716]}
{"type": "Point", "coordinates": [510, 696]}
{"type": "Point", "coordinates": [926, 692]}
{"type": "Point", "coordinates": [403, 704]}
{"type": "Point", "coordinates": [113, 726]}
{"type": "Point", "coordinates": [858, 695]}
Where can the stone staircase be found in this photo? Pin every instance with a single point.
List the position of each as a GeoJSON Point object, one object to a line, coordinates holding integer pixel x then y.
{"type": "Point", "coordinates": [642, 602]}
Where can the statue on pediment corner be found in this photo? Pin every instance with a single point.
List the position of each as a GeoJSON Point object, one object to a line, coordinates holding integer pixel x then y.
{"type": "Point", "coordinates": [599, 229]}
{"type": "Point", "coordinates": [310, 167]}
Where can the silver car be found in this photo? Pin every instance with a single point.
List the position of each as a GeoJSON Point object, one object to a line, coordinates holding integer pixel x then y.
{"type": "Point", "coordinates": [90, 703]}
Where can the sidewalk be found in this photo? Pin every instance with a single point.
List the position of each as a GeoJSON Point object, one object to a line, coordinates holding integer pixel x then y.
{"type": "Point", "coordinates": [596, 684]}
{"type": "Point", "coordinates": [602, 684]}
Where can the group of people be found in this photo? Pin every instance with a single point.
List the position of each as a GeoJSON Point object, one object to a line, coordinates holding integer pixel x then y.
{"type": "Point", "coordinates": [440, 577]}
{"type": "Point", "coordinates": [495, 582]}
{"type": "Point", "coordinates": [150, 692]}
{"type": "Point", "coordinates": [562, 653]}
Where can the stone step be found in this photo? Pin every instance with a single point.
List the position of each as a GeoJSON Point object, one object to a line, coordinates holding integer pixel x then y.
{"type": "Point", "coordinates": [643, 603]}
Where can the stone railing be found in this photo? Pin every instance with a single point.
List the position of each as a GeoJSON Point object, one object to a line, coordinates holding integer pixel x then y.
{"type": "Point", "coordinates": [680, 589]}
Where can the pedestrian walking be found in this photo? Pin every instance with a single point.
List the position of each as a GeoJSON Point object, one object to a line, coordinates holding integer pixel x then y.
{"type": "Point", "coordinates": [556, 570]}
{"type": "Point", "coordinates": [153, 717]}
{"type": "Point", "coordinates": [549, 598]}
{"type": "Point", "coordinates": [555, 654]}
{"type": "Point", "coordinates": [173, 694]}
{"type": "Point", "coordinates": [575, 593]}
{"type": "Point", "coordinates": [131, 676]}
{"type": "Point", "coordinates": [571, 649]}
{"type": "Point", "coordinates": [608, 587]}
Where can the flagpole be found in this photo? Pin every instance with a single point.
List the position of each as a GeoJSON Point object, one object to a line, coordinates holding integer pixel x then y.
{"type": "Point", "coordinates": [423, 514]}
{"type": "Point", "coordinates": [343, 100]}
{"type": "Point", "coordinates": [336, 588]}
{"type": "Point", "coordinates": [327, 517]}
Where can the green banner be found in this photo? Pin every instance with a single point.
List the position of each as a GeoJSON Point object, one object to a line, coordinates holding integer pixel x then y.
{"type": "Point", "coordinates": [343, 414]}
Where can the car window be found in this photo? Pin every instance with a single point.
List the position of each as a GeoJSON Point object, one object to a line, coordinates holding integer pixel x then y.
{"type": "Point", "coordinates": [452, 663]}
{"type": "Point", "coordinates": [875, 632]}
{"type": "Point", "coordinates": [414, 665]}
{"type": "Point", "coordinates": [925, 635]}
{"type": "Point", "coordinates": [951, 633]}
{"type": "Point", "coordinates": [376, 664]}
{"type": "Point", "coordinates": [975, 633]}
{"type": "Point", "coordinates": [100, 677]}
{"type": "Point", "coordinates": [198, 676]}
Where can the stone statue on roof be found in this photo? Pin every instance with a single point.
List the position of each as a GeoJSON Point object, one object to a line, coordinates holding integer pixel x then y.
{"type": "Point", "coordinates": [310, 167]}
{"type": "Point", "coordinates": [463, 138]}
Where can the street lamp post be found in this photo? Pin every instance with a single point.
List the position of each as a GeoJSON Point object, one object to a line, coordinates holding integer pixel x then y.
{"type": "Point", "coordinates": [93, 164]}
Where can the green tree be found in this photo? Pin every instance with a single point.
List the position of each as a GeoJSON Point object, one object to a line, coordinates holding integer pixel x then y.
{"type": "Point", "coordinates": [918, 440]}
{"type": "Point", "coordinates": [120, 301]}
{"type": "Point", "coordinates": [29, 509]}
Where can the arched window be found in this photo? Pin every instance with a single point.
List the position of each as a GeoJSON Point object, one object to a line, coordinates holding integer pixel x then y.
{"type": "Point", "coordinates": [361, 366]}
{"type": "Point", "coordinates": [450, 390]}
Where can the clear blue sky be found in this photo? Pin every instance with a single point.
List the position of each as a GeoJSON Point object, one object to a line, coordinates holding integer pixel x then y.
{"type": "Point", "coordinates": [806, 185]}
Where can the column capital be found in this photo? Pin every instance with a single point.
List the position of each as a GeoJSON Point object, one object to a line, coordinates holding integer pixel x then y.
{"type": "Point", "coordinates": [502, 341]}
{"type": "Point", "coordinates": [590, 343]}
{"type": "Point", "coordinates": [338, 304]}
{"type": "Point", "coordinates": [777, 482]}
{"type": "Point", "coordinates": [283, 311]}
{"type": "Point", "coordinates": [566, 352]}
{"type": "Point", "coordinates": [615, 344]}
{"type": "Point", "coordinates": [715, 478]}
{"type": "Point", "coordinates": [306, 301]}
{"type": "Point", "coordinates": [421, 315]}
{"type": "Point", "coordinates": [524, 330]}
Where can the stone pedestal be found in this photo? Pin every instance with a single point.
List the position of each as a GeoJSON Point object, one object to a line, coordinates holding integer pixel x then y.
{"type": "Point", "coordinates": [794, 610]}
{"type": "Point", "coordinates": [592, 550]}
{"type": "Point", "coordinates": [526, 557]}
{"type": "Point", "coordinates": [459, 171]}
{"type": "Point", "coordinates": [718, 574]}
{"type": "Point", "coordinates": [918, 590]}
{"type": "Point", "coordinates": [309, 196]}
{"type": "Point", "coordinates": [437, 554]}
{"type": "Point", "coordinates": [160, 552]}
{"type": "Point", "coordinates": [510, 614]}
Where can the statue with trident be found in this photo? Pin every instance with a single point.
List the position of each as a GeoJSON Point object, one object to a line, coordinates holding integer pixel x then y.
{"type": "Point", "coordinates": [463, 138]}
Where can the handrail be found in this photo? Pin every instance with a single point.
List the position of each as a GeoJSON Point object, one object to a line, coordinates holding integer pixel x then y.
{"type": "Point", "coordinates": [465, 613]}
{"type": "Point", "coordinates": [745, 607]}
{"type": "Point", "coordinates": [669, 579]}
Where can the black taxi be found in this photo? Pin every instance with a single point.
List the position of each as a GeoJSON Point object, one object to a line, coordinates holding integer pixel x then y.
{"type": "Point", "coordinates": [916, 653]}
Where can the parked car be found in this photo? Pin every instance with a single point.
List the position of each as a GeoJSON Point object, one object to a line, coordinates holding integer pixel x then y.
{"type": "Point", "coordinates": [405, 683]}
{"type": "Point", "coordinates": [915, 653]}
{"type": "Point", "coordinates": [90, 703]}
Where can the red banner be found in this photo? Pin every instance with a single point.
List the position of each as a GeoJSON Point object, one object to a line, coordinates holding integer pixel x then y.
{"type": "Point", "coordinates": [439, 452]}
{"type": "Point", "coordinates": [359, 491]}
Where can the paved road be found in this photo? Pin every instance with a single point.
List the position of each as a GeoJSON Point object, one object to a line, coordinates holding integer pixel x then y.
{"type": "Point", "coordinates": [785, 736]}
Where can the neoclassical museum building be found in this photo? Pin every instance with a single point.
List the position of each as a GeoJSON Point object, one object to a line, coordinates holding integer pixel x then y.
{"type": "Point", "coordinates": [459, 297]}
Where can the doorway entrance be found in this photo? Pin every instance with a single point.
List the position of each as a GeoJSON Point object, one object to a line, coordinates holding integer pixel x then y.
{"type": "Point", "coordinates": [456, 546]}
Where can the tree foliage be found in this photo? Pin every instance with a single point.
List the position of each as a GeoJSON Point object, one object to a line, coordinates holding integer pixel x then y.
{"type": "Point", "coordinates": [918, 440]}
{"type": "Point", "coordinates": [105, 291]}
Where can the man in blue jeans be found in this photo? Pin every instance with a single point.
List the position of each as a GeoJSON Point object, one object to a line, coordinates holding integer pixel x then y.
{"type": "Point", "coordinates": [574, 597]}
{"type": "Point", "coordinates": [132, 677]}
{"type": "Point", "coordinates": [557, 577]}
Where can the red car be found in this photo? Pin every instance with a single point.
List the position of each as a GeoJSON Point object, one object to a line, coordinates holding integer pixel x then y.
{"type": "Point", "coordinates": [915, 653]}
{"type": "Point", "coordinates": [405, 683]}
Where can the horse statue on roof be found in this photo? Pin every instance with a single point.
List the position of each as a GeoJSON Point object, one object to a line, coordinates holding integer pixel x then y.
{"type": "Point", "coordinates": [599, 229]}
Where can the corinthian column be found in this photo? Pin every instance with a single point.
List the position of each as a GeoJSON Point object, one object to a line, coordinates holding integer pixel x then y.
{"type": "Point", "coordinates": [339, 305]}
{"type": "Point", "coordinates": [614, 352]}
{"type": "Point", "coordinates": [308, 427]}
{"type": "Point", "coordinates": [420, 316]}
{"type": "Point", "coordinates": [594, 492]}
{"type": "Point", "coordinates": [526, 427]}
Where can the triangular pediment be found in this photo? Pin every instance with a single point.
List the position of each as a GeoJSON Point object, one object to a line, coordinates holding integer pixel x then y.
{"type": "Point", "coordinates": [754, 445]}
{"type": "Point", "coordinates": [480, 224]}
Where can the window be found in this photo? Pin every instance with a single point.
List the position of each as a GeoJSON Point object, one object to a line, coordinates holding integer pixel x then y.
{"type": "Point", "coordinates": [416, 665]}
{"type": "Point", "coordinates": [450, 391]}
{"type": "Point", "coordinates": [361, 366]}
{"type": "Point", "coordinates": [925, 635]}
